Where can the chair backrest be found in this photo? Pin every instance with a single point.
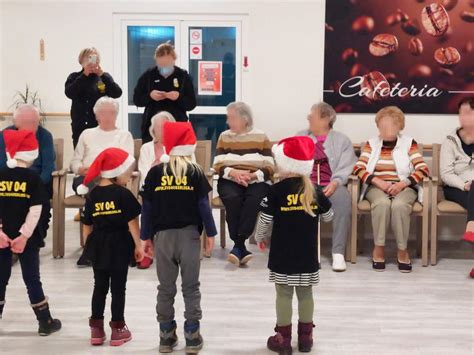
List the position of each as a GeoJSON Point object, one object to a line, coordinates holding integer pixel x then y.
{"type": "Point", "coordinates": [203, 154]}
{"type": "Point", "coordinates": [137, 145]}
{"type": "Point", "coordinates": [435, 162]}
{"type": "Point", "coordinates": [59, 151]}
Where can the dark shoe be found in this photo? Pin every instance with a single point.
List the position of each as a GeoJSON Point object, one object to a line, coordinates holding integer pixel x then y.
{"type": "Point", "coordinates": [378, 265]}
{"type": "Point", "coordinates": [305, 337]}
{"type": "Point", "coordinates": [2, 304]}
{"type": "Point", "coordinates": [468, 237]}
{"type": "Point", "coordinates": [246, 256]}
{"type": "Point", "coordinates": [97, 331]}
{"type": "Point", "coordinates": [168, 337]}
{"type": "Point", "coordinates": [404, 267]}
{"type": "Point", "coordinates": [194, 341]}
{"type": "Point", "coordinates": [47, 325]}
{"type": "Point", "coordinates": [120, 333]}
{"type": "Point", "coordinates": [281, 341]}
{"type": "Point", "coordinates": [234, 256]}
{"type": "Point", "coordinates": [145, 263]}
{"type": "Point", "coordinates": [83, 262]}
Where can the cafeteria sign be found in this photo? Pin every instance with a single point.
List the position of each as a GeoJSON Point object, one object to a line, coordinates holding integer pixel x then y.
{"type": "Point", "coordinates": [210, 78]}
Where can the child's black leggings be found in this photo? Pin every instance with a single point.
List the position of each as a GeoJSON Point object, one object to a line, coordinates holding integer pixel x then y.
{"type": "Point", "coordinates": [117, 281]}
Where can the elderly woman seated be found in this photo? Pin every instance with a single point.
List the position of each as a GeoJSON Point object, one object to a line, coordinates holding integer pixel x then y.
{"type": "Point", "coordinates": [94, 140]}
{"type": "Point", "coordinates": [245, 166]}
{"type": "Point", "coordinates": [390, 168]}
{"type": "Point", "coordinates": [334, 160]}
{"type": "Point", "coordinates": [150, 154]}
{"type": "Point", "coordinates": [456, 165]}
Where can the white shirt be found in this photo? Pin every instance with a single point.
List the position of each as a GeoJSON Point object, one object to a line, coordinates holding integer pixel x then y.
{"type": "Point", "coordinates": [94, 140]}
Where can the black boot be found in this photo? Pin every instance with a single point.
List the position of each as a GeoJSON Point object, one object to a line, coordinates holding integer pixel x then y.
{"type": "Point", "coordinates": [194, 341]}
{"type": "Point", "coordinates": [168, 337]}
{"type": "Point", "coordinates": [2, 304]}
{"type": "Point", "coordinates": [47, 324]}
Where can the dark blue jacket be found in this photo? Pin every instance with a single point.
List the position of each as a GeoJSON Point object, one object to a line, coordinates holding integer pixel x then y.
{"type": "Point", "coordinates": [45, 164]}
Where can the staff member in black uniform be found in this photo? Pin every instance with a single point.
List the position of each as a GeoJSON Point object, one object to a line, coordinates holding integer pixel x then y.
{"type": "Point", "coordinates": [84, 88]}
{"type": "Point", "coordinates": [165, 87]}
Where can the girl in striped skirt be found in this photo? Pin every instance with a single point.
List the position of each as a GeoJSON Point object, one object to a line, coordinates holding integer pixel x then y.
{"type": "Point", "coordinates": [289, 215]}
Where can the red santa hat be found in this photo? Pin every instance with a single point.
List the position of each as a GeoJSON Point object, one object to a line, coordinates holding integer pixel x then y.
{"type": "Point", "coordinates": [295, 155]}
{"type": "Point", "coordinates": [21, 144]}
{"type": "Point", "coordinates": [109, 164]}
{"type": "Point", "coordinates": [178, 139]}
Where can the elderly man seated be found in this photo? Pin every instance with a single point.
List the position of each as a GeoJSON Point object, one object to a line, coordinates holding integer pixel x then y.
{"type": "Point", "coordinates": [93, 141]}
{"type": "Point", "coordinates": [27, 117]}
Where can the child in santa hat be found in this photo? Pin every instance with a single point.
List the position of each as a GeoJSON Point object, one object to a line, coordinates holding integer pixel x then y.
{"type": "Point", "coordinates": [175, 208]}
{"type": "Point", "coordinates": [111, 227]}
{"type": "Point", "coordinates": [289, 215]}
{"type": "Point", "coordinates": [22, 195]}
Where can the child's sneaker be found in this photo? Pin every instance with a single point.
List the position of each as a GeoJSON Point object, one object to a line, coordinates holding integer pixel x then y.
{"type": "Point", "coordinates": [47, 325]}
{"type": "Point", "coordinates": [471, 274]}
{"type": "Point", "coordinates": [194, 341]}
{"type": "Point", "coordinates": [234, 256]}
{"type": "Point", "coordinates": [305, 337]}
{"type": "Point", "coordinates": [97, 331]}
{"type": "Point", "coordinates": [168, 337]}
{"type": "Point", "coordinates": [281, 341]}
{"type": "Point", "coordinates": [120, 333]}
{"type": "Point", "coordinates": [145, 263]}
{"type": "Point", "coordinates": [246, 256]}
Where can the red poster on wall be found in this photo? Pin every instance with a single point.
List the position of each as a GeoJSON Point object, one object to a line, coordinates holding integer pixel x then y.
{"type": "Point", "coordinates": [210, 78]}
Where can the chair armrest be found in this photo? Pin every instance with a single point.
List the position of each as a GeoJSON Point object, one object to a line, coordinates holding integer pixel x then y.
{"type": "Point", "coordinates": [61, 172]}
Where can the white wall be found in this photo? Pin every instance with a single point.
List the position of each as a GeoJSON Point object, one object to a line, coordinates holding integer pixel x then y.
{"type": "Point", "coordinates": [286, 58]}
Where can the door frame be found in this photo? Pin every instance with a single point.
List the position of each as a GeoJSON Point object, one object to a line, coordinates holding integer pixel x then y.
{"type": "Point", "coordinates": [182, 23]}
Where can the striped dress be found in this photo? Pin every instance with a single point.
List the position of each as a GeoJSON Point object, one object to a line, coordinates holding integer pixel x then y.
{"type": "Point", "coordinates": [385, 168]}
{"type": "Point", "coordinates": [247, 151]}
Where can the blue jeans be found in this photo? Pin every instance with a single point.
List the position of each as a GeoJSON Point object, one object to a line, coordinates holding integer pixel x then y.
{"type": "Point", "coordinates": [29, 261]}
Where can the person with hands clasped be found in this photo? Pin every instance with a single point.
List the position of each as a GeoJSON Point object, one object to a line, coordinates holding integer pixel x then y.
{"type": "Point", "coordinates": [289, 215]}
{"type": "Point", "coordinates": [175, 210]}
{"type": "Point", "coordinates": [22, 195]}
{"type": "Point", "coordinates": [111, 229]}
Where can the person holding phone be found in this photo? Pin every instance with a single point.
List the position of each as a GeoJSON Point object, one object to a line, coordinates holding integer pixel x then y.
{"type": "Point", "coordinates": [84, 88]}
{"type": "Point", "coordinates": [164, 87]}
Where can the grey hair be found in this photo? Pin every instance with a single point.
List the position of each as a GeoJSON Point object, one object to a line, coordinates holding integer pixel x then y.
{"type": "Point", "coordinates": [325, 111]}
{"type": "Point", "coordinates": [163, 114]}
{"type": "Point", "coordinates": [105, 100]}
{"type": "Point", "coordinates": [26, 107]}
{"type": "Point", "coordinates": [244, 112]}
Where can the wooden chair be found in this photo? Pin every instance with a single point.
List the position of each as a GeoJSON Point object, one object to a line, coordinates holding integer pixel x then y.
{"type": "Point", "coordinates": [59, 151]}
{"type": "Point", "coordinates": [360, 208]}
{"type": "Point", "coordinates": [440, 206]}
{"type": "Point", "coordinates": [78, 202]}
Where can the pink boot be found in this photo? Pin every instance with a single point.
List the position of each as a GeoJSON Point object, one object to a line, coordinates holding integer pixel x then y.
{"type": "Point", "coordinates": [281, 341]}
{"type": "Point", "coordinates": [305, 337]}
{"type": "Point", "coordinates": [120, 333]}
{"type": "Point", "coordinates": [97, 331]}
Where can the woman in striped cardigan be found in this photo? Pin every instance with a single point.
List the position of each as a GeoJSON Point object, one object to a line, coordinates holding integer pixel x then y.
{"type": "Point", "coordinates": [390, 168]}
{"type": "Point", "coordinates": [245, 166]}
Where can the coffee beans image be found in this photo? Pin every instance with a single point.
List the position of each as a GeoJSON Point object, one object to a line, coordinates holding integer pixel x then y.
{"type": "Point", "coordinates": [467, 16]}
{"type": "Point", "coordinates": [363, 24]}
{"type": "Point", "coordinates": [449, 4]}
{"type": "Point", "coordinates": [447, 57]}
{"type": "Point", "coordinates": [420, 71]}
{"type": "Point", "coordinates": [411, 27]}
{"type": "Point", "coordinates": [435, 19]}
{"type": "Point", "coordinates": [374, 85]}
{"type": "Point", "coordinates": [415, 46]}
{"type": "Point", "coordinates": [383, 44]}
{"type": "Point", "coordinates": [349, 56]}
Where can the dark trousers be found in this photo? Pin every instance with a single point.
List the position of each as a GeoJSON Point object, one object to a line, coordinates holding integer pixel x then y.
{"type": "Point", "coordinates": [29, 261]}
{"type": "Point", "coordinates": [464, 198]}
{"type": "Point", "coordinates": [242, 205]}
{"type": "Point", "coordinates": [117, 281]}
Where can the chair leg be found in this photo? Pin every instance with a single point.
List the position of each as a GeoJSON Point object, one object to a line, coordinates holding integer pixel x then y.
{"type": "Point", "coordinates": [81, 230]}
{"type": "Point", "coordinates": [434, 237]}
{"type": "Point", "coordinates": [419, 232]}
{"type": "Point", "coordinates": [61, 231]}
{"type": "Point", "coordinates": [353, 238]}
{"type": "Point", "coordinates": [222, 229]}
{"type": "Point", "coordinates": [424, 239]}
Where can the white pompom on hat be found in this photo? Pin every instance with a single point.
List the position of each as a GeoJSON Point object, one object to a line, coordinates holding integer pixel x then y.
{"type": "Point", "coordinates": [178, 139]}
{"type": "Point", "coordinates": [295, 155]}
{"type": "Point", "coordinates": [20, 144]}
{"type": "Point", "coordinates": [110, 163]}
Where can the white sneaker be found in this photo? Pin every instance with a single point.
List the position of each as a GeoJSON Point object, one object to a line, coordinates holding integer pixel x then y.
{"type": "Point", "coordinates": [338, 262]}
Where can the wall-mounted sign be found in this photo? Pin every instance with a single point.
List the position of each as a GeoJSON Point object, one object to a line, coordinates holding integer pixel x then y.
{"type": "Point", "coordinates": [210, 78]}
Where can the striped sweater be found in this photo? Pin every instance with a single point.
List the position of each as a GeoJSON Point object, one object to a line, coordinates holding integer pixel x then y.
{"type": "Point", "coordinates": [248, 151]}
{"type": "Point", "coordinates": [385, 168]}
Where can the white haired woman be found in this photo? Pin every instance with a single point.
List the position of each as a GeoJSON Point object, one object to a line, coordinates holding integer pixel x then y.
{"type": "Point", "coordinates": [334, 161]}
{"type": "Point", "coordinates": [84, 88]}
{"type": "Point", "coordinates": [94, 140]}
{"type": "Point", "coordinates": [150, 154]}
{"type": "Point", "coordinates": [245, 166]}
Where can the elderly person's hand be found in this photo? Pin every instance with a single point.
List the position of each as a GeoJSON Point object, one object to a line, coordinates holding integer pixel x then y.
{"type": "Point", "coordinates": [467, 187]}
{"type": "Point", "coordinates": [82, 171]}
{"type": "Point", "coordinates": [241, 177]}
{"type": "Point", "coordinates": [395, 189]}
{"type": "Point", "coordinates": [381, 184]}
{"type": "Point", "coordinates": [331, 188]}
